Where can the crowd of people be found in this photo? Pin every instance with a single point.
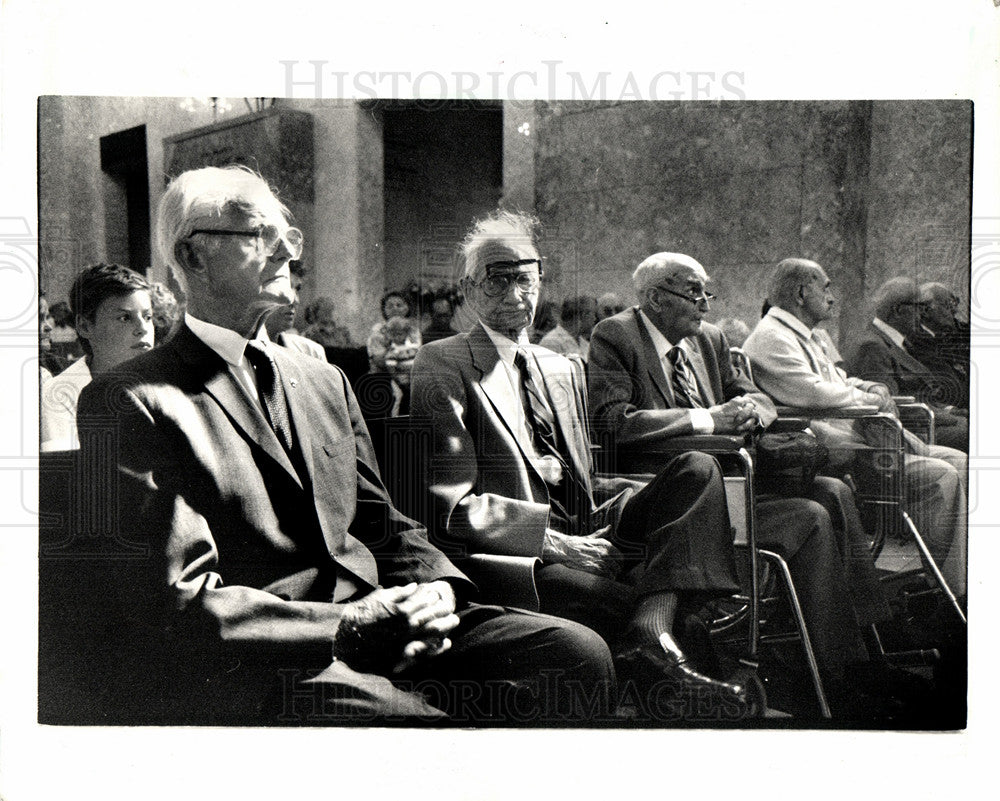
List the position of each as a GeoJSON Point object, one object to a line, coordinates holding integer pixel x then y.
{"type": "Point", "coordinates": [292, 588]}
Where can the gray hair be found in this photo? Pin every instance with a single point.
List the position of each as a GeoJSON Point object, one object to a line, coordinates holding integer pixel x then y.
{"type": "Point", "coordinates": [788, 276]}
{"type": "Point", "coordinates": [495, 230]}
{"type": "Point", "coordinates": [208, 192]}
{"type": "Point", "coordinates": [893, 292]}
{"type": "Point", "coordinates": [935, 290]}
{"type": "Point", "coordinates": [661, 267]}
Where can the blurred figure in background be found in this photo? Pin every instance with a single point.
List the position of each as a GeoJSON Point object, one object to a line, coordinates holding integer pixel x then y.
{"type": "Point", "coordinates": [442, 313]}
{"type": "Point", "coordinates": [609, 304]}
{"type": "Point", "coordinates": [167, 312]}
{"type": "Point", "coordinates": [280, 323]}
{"type": "Point", "coordinates": [394, 304]}
{"type": "Point", "coordinates": [577, 319]}
{"type": "Point", "coordinates": [544, 321]}
{"type": "Point", "coordinates": [735, 330]}
{"type": "Point", "coordinates": [322, 327]}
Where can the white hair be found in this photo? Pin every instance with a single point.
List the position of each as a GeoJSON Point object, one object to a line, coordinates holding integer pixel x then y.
{"type": "Point", "coordinates": [497, 229]}
{"type": "Point", "coordinates": [209, 192]}
{"type": "Point", "coordinates": [660, 267]}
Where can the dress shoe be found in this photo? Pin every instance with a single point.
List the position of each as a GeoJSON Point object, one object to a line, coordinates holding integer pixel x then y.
{"type": "Point", "coordinates": [665, 661]}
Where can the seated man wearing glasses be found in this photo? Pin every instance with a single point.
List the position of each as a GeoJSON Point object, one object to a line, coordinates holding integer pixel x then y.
{"type": "Point", "coordinates": [659, 371]}
{"type": "Point", "coordinates": [510, 475]}
{"type": "Point", "coordinates": [279, 583]}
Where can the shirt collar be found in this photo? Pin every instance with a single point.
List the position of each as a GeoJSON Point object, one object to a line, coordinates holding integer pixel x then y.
{"type": "Point", "coordinates": [506, 347]}
{"type": "Point", "coordinates": [893, 334]}
{"type": "Point", "coordinates": [790, 320]}
{"type": "Point", "coordinates": [661, 344]}
{"type": "Point", "coordinates": [224, 341]}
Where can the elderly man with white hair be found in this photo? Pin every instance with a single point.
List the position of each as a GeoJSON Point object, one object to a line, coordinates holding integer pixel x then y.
{"type": "Point", "coordinates": [659, 371]}
{"type": "Point", "coordinates": [792, 366]}
{"type": "Point", "coordinates": [279, 584]}
{"type": "Point", "coordinates": [510, 475]}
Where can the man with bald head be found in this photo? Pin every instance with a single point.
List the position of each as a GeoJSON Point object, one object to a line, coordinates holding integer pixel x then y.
{"type": "Point", "coordinates": [272, 580]}
{"type": "Point", "coordinates": [659, 371]}
{"type": "Point", "coordinates": [881, 356]}
{"type": "Point", "coordinates": [792, 366]}
{"type": "Point", "coordinates": [510, 475]}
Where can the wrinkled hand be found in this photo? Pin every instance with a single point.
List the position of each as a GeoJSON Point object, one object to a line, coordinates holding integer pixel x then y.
{"type": "Point", "coordinates": [882, 397]}
{"type": "Point", "coordinates": [390, 628]}
{"type": "Point", "coordinates": [736, 416]}
{"type": "Point", "coordinates": [589, 554]}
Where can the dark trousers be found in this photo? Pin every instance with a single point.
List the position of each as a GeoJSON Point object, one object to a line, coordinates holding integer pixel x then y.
{"type": "Point", "coordinates": [675, 536]}
{"type": "Point", "coordinates": [505, 667]}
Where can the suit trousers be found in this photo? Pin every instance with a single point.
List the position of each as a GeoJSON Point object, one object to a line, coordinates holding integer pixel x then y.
{"type": "Point", "coordinates": [505, 667]}
{"type": "Point", "coordinates": [674, 535]}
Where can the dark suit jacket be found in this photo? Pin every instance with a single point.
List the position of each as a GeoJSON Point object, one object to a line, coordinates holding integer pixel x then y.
{"type": "Point", "coordinates": [630, 394]}
{"type": "Point", "coordinates": [486, 495]}
{"type": "Point", "coordinates": [877, 358]}
{"type": "Point", "coordinates": [247, 560]}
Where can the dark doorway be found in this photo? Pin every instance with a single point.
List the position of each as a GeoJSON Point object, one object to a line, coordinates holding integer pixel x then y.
{"type": "Point", "coordinates": [126, 197]}
{"type": "Point", "coordinates": [443, 167]}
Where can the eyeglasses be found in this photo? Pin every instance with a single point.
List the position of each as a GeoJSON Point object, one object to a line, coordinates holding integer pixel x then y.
{"type": "Point", "coordinates": [496, 286]}
{"type": "Point", "coordinates": [695, 299]}
{"type": "Point", "coordinates": [267, 237]}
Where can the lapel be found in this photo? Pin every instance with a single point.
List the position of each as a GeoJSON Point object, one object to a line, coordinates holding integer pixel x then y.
{"type": "Point", "coordinates": [900, 355]}
{"type": "Point", "coordinates": [561, 396]}
{"type": "Point", "coordinates": [654, 367]}
{"type": "Point", "coordinates": [227, 393]}
{"type": "Point", "coordinates": [296, 390]}
{"type": "Point", "coordinates": [497, 388]}
{"type": "Point", "coordinates": [697, 362]}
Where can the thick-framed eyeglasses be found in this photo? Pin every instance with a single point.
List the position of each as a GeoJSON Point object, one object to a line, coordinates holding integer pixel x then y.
{"type": "Point", "coordinates": [497, 285]}
{"type": "Point", "coordinates": [266, 236]}
{"type": "Point", "coordinates": [690, 298]}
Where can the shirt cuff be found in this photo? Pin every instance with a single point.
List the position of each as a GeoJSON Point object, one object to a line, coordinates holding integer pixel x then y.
{"type": "Point", "coordinates": [701, 421]}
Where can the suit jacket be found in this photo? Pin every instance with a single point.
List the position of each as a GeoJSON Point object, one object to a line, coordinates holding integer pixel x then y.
{"type": "Point", "coordinates": [301, 344]}
{"type": "Point", "coordinates": [630, 394]}
{"type": "Point", "coordinates": [948, 363]}
{"type": "Point", "coordinates": [248, 557]}
{"type": "Point", "coordinates": [486, 495]}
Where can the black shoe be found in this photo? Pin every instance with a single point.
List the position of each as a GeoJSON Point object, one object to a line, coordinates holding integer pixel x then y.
{"type": "Point", "coordinates": [666, 661]}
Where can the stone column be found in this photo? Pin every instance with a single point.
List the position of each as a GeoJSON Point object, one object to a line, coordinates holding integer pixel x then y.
{"type": "Point", "coordinates": [348, 262]}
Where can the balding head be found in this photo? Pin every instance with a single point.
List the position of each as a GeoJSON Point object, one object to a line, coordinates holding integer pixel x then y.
{"type": "Point", "coordinates": [896, 302]}
{"type": "Point", "coordinates": [801, 287]}
{"type": "Point", "coordinates": [671, 291]}
{"type": "Point", "coordinates": [939, 305]}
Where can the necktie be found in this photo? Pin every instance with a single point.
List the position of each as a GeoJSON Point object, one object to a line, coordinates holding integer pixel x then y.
{"type": "Point", "coordinates": [569, 500]}
{"type": "Point", "coordinates": [540, 418]}
{"type": "Point", "coordinates": [270, 392]}
{"type": "Point", "coordinates": [685, 390]}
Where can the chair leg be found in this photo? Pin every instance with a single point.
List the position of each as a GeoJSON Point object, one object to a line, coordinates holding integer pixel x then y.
{"type": "Point", "coordinates": [793, 601]}
{"type": "Point", "coordinates": [935, 571]}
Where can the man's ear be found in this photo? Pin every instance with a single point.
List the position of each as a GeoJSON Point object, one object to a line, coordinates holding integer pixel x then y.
{"type": "Point", "coordinates": [187, 257]}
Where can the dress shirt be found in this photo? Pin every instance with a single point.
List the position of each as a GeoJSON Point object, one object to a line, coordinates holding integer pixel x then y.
{"type": "Point", "coordinates": [896, 337]}
{"type": "Point", "coordinates": [507, 349]}
{"type": "Point", "coordinates": [231, 348]}
{"type": "Point", "coordinates": [57, 419]}
{"type": "Point", "coordinates": [701, 419]}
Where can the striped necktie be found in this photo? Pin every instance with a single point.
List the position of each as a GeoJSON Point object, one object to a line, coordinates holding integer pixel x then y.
{"type": "Point", "coordinates": [685, 390]}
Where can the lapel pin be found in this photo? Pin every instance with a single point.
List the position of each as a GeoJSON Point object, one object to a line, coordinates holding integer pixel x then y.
{"type": "Point", "coordinates": [293, 382]}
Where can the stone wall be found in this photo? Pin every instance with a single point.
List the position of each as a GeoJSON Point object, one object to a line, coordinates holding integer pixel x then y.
{"type": "Point", "coordinates": [740, 186]}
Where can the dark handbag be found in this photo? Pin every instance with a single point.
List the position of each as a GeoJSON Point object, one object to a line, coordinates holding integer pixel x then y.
{"type": "Point", "coordinates": [788, 461]}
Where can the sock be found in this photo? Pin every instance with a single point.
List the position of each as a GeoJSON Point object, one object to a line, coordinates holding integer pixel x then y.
{"type": "Point", "coordinates": [654, 615]}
